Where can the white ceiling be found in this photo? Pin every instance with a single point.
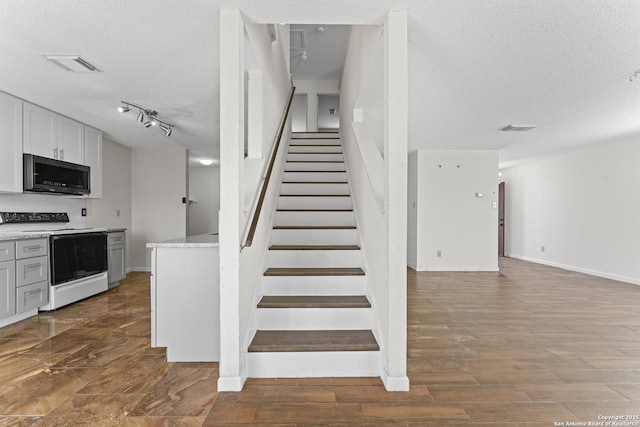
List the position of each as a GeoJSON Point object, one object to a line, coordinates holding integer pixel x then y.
{"type": "Point", "coordinates": [475, 66]}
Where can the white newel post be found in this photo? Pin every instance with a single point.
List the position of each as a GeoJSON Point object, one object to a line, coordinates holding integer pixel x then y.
{"type": "Point", "coordinates": [395, 148]}
{"type": "Point", "coordinates": [231, 155]}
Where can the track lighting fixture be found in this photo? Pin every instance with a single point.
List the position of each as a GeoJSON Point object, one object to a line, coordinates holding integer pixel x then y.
{"type": "Point", "coordinates": [151, 117]}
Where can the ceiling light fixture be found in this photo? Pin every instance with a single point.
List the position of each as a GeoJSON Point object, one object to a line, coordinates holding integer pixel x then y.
{"type": "Point", "coordinates": [151, 116]}
{"type": "Point", "coordinates": [206, 162]}
{"type": "Point", "coordinates": [72, 63]}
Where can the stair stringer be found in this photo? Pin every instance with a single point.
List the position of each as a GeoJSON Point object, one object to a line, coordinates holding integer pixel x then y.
{"type": "Point", "coordinates": [252, 324]}
{"type": "Point", "coordinates": [391, 383]}
{"type": "Point", "coordinates": [365, 266]}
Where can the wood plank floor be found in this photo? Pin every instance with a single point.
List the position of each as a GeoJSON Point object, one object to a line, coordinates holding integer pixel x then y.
{"type": "Point", "coordinates": [529, 346]}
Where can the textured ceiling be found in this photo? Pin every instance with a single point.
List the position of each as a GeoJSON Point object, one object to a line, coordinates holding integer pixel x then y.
{"type": "Point", "coordinates": [475, 66]}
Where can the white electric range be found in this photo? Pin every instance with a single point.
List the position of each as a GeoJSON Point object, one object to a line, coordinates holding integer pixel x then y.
{"type": "Point", "coordinates": [77, 255]}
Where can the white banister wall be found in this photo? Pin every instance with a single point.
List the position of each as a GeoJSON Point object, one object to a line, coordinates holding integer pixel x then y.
{"type": "Point", "coordinates": [241, 178]}
{"type": "Point", "coordinates": [383, 230]}
{"type": "Point", "coordinates": [230, 230]}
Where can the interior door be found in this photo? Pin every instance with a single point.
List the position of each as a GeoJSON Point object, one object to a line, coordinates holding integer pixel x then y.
{"type": "Point", "coordinates": [501, 219]}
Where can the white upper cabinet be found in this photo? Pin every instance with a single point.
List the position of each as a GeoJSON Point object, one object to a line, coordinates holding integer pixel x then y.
{"type": "Point", "coordinates": [70, 140]}
{"type": "Point", "coordinates": [10, 143]}
{"type": "Point", "coordinates": [51, 135]}
{"type": "Point", "coordinates": [93, 159]}
{"type": "Point", "coordinates": [40, 131]}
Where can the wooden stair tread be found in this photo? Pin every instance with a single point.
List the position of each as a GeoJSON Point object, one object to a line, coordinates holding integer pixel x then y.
{"type": "Point", "coordinates": [314, 248]}
{"type": "Point", "coordinates": [314, 271]}
{"type": "Point", "coordinates": [315, 195]}
{"type": "Point", "coordinates": [315, 210]}
{"type": "Point", "coordinates": [314, 145]}
{"type": "Point", "coordinates": [314, 152]}
{"type": "Point", "coordinates": [308, 171]}
{"type": "Point", "coordinates": [314, 182]}
{"type": "Point", "coordinates": [314, 227]}
{"type": "Point", "coordinates": [336, 340]}
{"type": "Point", "coordinates": [315, 161]}
{"type": "Point", "coordinates": [314, 301]}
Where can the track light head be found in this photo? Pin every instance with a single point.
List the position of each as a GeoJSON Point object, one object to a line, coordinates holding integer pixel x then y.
{"type": "Point", "coordinates": [147, 117]}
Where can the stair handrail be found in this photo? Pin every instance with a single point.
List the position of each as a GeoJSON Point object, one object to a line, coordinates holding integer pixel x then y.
{"type": "Point", "coordinates": [267, 176]}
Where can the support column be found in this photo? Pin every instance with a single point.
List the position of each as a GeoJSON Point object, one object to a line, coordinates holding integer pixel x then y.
{"type": "Point", "coordinates": [396, 156]}
{"type": "Point", "coordinates": [231, 156]}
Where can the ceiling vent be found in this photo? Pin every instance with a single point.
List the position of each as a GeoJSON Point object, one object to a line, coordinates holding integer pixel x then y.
{"type": "Point", "coordinates": [297, 40]}
{"type": "Point", "coordinates": [518, 128]}
{"type": "Point", "coordinates": [72, 63]}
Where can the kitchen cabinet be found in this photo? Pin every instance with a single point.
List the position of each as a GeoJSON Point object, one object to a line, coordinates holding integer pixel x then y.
{"type": "Point", "coordinates": [24, 279]}
{"type": "Point", "coordinates": [7, 289]}
{"type": "Point", "coordinates": [93, 159]}
{"type": "Point", "coordinates": [51, 135]}
{"type": "Point", "coordinates": [116, 245]}
{"type": "Point", "coordinates": [185, 298]}
{"type": "Point", "coordinates": [10, 144]}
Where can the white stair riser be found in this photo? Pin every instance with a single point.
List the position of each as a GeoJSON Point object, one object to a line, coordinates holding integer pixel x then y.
{"type": "Point", "coordinates": [314, 188]}
{"type": "Point", "coordinates": [315, 157]}
{"type": "Point", "coordinates": [314, 285]}
{"type": "Point", "coordinates": [315, 218]}
{"type": "Point", "coordinates": [314, 237]}
{"type": "Point", "coordinates": [308, 258]}
{"type": "Point", "coordinates": [314, 364]}
{"type": "Point", "coordinates": [324, 148]}
{"type": "Point", "coordinates": [292, 166]}
{"type": "Point", "coordinates": [311, 319]}
{"type": "Point", "coordinates": [314, 176]}
{"type": "Point", "coordinates": [305, 202]}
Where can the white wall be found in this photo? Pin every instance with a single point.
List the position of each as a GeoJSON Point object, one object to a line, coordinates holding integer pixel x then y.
{"type": "Point", "coordinates": [204, 191]}
{"type": "Point", "coordinates": [450, 218]}
{"type": "Point", "coordinates": [412, 211]}
{"type": "Point", "coordinates": [158, 184]}
{"type": "Point", "coordinates": [114, 209]}
{"type": "Point", "coordinates": [583, 207]}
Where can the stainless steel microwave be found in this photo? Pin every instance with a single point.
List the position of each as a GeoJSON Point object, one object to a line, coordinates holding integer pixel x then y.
{"type": "Point", "coordinates": [44, 175]}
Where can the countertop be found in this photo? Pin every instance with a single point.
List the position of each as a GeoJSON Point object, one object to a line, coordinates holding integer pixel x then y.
{"type": "Point", "coordinates": [198, 241]}
{"type": "Point", "coordinates": [115, 230]}
{"type": "Point", "coordinates": [4, 237]}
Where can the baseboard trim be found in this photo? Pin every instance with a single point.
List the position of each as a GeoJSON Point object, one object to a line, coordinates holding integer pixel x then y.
{"type": "Point", "coordinates": [596, 273]}
{"type": "Point", "coordinates": [230, 383]}
{"type": "Point", "coordinates": [470, 269]}
{"type": "Point", "coordinates": [141, 269]}
{"type": "Point", "coordinates": [395, 383]}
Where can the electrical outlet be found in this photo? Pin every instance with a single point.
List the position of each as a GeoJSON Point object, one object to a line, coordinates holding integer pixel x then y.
{"type": "Point", "coordinates": [439, 254]}
{"type": "Point", "coordinates": [117, 212]}
{"type": "Point", "coordinates": [541, 248]}
{"type": "Point", "coordinates": [84, 211]}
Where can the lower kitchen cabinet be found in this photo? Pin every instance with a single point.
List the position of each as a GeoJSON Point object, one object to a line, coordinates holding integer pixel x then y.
{"type": "Point", "coordinates": [7, 288]}
{"type": "Point", "coordinates": [24, 279]}
{"type": "Point", "coordinates": [185, 302]}
{"type": "Point", "coordinates": [116, 245]}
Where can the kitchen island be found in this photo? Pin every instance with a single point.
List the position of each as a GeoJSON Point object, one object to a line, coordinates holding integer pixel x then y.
{"type": "Point", "coordinates": [185, 298]}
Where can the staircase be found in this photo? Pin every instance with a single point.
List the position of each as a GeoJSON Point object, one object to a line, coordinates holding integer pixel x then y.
{"type": "Point", "coordinates": [314, 319]}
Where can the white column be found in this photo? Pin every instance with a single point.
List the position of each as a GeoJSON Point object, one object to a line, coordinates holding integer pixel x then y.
{"type": "Point", "coordinates": [396, 157]}
{"type": "Point", "coordinates": [231, 155]}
